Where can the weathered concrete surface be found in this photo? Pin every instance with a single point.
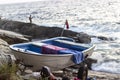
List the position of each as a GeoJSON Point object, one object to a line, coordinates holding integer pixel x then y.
{"type": "Point", "coordinates": [12, 37]}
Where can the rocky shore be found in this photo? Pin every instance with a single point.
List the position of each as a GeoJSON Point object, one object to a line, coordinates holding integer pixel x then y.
{"type": "Point", "coordinates": [17, 32]}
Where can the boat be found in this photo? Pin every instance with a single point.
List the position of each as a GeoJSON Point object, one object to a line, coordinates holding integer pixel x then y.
{"type": "Point", "coordinates": [56, 53]}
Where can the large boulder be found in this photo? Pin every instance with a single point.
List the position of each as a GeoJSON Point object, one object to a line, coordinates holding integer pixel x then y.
{"type": "Point", "coordinates": [5, 52]}
{"type": "Point", "coordinates": [83, 38]}
{"type": "Point", "coordinates": [42, 31]}
{"type": "Point", "coordinates": [34, 30]}
{"type": "Point", "coordinates": [88, 61]}
{"type": "Point", "coordinates": [3, 58]}
{"type": "Point", "coordinates": [12, 37]}
{"type": "Point", "coordinates": [4, 46]}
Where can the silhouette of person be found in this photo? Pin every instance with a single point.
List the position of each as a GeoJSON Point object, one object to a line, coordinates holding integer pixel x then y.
{"type": "Point", "coordinates": [30, 19]}
{"type": "Point", "coordinates": [83, 72]}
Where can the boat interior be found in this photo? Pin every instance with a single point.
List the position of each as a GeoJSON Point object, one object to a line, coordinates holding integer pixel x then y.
{"type": "Point", "coordinates": [52, 47]}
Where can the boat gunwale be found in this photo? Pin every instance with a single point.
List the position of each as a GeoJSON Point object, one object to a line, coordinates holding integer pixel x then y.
{"type": "Point", "coordinates": [40, 54]}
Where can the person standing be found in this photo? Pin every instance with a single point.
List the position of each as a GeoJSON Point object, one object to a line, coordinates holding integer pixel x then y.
{"type": "Point", "coordinates": [30, 19]}
{"type": "Point", "coordinates": [0, 17]}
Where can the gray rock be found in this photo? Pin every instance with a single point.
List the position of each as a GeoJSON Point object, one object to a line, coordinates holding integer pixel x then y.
{"type": "Point", "coordinates": [12, 37]}
{"type": "Point", "coordinates": [6, 58]}
{"type": "Point", "coordinates": [5, 53]}
{"type": "Point", "coordinates": [4, 46]}
{"type": "Point", "coordinates": [83, 38]}
{"type": "Point", "coordinates": [42, 31]}
{"type": "Point", "coordinates": [34, 30]}
{"type": "Point", "coordinates": [105, 38]}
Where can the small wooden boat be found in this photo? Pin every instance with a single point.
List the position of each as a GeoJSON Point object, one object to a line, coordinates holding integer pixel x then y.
{"type": "Point", "coordinates": [56, 53]}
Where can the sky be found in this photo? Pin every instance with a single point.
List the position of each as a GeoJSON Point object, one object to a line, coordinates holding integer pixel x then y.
{"type": "Point", "coordinates": [15, 1]}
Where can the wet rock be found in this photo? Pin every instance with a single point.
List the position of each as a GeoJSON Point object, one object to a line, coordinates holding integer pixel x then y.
{"type": "Point", "coordinates": [83, 38]}
{"type": "Point", "coordinates": [89, 62]}
{"type": "Point", "coordinates": [105, 38]}
{"type": "Point", "coordinates": [102, 38]}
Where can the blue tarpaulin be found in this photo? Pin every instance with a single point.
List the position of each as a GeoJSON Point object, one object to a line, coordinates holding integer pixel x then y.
{"type": "Point", "coordinates": [78, 56]}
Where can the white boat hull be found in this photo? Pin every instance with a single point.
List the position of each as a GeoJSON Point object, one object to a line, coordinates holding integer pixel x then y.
{"type": "Point", "coordinates": [54, 61]}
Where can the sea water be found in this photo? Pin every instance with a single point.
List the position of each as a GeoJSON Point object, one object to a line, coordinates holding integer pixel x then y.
{"type": "Point", "coordinates": [94, 17]}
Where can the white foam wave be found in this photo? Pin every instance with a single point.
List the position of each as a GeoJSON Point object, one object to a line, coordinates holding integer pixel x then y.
{"type": "Point", "coordinates": [112, 67]}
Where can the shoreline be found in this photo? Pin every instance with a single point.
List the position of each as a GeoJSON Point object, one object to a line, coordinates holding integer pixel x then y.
{"type": "Point", "coordinates": [16, 26]}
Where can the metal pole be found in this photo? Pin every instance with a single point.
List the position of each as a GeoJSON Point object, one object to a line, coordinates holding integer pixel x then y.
{"type": "Point", "coordinates": [62, 31]}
